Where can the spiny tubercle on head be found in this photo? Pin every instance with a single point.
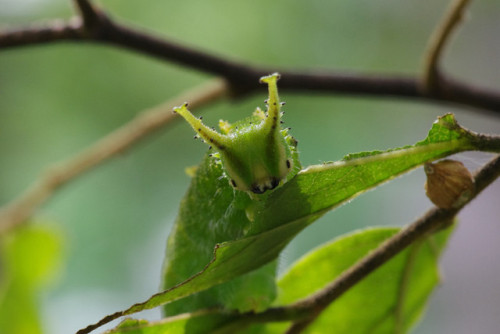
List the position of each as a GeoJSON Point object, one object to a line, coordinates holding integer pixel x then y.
{"type": "Point", "coordinates": [273, 103]}
{"type": "Point", "coordinates": [220, 141]}
{"type": "Point", "coordinates": [210, 136]}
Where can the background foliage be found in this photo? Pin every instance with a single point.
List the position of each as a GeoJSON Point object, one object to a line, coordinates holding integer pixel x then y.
{"type": "Point", "coordinates": [57, 99]}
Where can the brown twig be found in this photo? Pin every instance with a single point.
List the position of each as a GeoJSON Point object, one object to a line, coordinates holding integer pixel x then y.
{"type": "Point", "coordinates": [57, 30]}
{"type": "Point", "coordinates": [97, 27]}
{"type": "Point", "coordinates": [432, 78]}
{"type": "Point", "coordinates": [143, 124]}
{"type": "Point", "coordinates": [88, 12]}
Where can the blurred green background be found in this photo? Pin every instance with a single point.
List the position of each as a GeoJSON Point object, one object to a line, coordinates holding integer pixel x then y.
{"type": "Point", "coordinates": [57, 99]}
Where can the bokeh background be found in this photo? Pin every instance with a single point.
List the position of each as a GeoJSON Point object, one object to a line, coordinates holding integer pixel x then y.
{"type": "Point", "coordinates": [57, 99]}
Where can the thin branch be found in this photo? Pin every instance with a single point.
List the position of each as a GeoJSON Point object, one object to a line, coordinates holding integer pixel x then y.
{"type": "Point", "coordinates": [298, 326]}
{"type": "Point", "coordinates": [55, 31]}
{"type": "Point", "coordinates": [243, 77]}
{"type": "Point", "coordinates": [88, 12]}
{"type": "Point", "coordinates": [431, 80]}
{"type": "Point", "coordinates": [145, 123]}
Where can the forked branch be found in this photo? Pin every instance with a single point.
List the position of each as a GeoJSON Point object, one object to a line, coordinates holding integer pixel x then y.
{"type": "Point", "coordinates": [95, 26]}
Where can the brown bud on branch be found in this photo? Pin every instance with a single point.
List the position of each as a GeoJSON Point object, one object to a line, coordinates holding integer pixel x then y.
{"type": "Point", "coordinates": [449, 184]}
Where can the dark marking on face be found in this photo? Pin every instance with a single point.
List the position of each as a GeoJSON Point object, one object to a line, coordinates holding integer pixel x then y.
{"type": "Point", "coordinates": [262, 188]}
{"type": "Point", "coordinates": [274, 183]}
{"type": "Point", "coordinates": [257, 190]}
{"type": "Point", "coordinates": [288, 164]}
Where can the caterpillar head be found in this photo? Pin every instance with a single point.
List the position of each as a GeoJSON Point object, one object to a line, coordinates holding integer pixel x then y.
{"type": "Point", "coordinates": [257, 154]}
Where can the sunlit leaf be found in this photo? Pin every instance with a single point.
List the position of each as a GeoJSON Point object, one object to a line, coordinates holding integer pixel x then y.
{"type": "Point", "coordinates": [389, 300]}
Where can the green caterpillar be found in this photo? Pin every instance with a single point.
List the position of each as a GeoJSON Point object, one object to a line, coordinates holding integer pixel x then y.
{"type": "Point", "coordinates": [257, 155]}
{"type": "Point", "coordinates": [245, 162]}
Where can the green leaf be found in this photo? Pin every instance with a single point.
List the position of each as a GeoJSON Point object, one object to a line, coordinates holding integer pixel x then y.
{"type": "Point", "coordinates": [390, 300]}
{"type": "Point", "coordinates": [30, 257]}
{"type": "Point", "coordinates": [199, 322]}
{"type": "Point", "coordinates": [230, 259]}
{"type": "Point", "coordinates": [248, 233]}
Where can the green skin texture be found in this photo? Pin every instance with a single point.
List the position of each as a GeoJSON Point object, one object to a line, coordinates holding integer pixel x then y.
{"type": "Point", "coordinates": [256, 155]}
